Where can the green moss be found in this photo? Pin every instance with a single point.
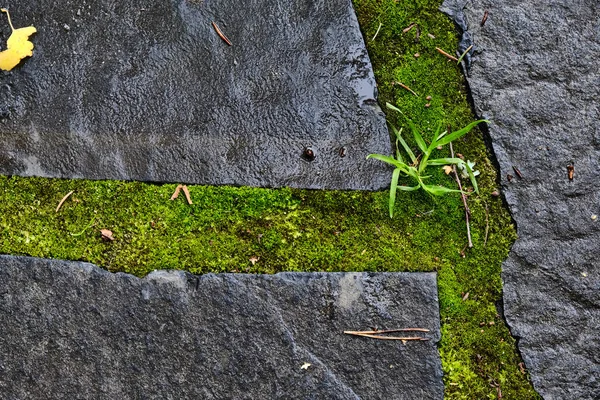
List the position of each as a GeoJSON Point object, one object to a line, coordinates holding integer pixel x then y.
{"type": "Point", "coordinates": [266, 231]}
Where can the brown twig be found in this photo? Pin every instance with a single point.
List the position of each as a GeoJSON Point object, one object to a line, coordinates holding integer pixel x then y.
{"type": "Point", "coordinates": [176, 193]}
{"type": "Point", "coordinates": [406, 87]}
{"type": "Point", "coordinates": [442, 52]}
{"type": "Point", "coordinates": [408, 28]}
{"type": "Point", "coordinates": [386, 337]}
{"type": "Point", "coordinates": [519, 174]}
{"type": "Point", "coordinates": [485, 17]}
{"type": "Point", "coordinates": [386, 331]}
{"type": "Point", "coordinates": [221, 34]}
{"type": "Point", "coordinates": [464, 198]}
{"type": "Point", "coordinates": [187, 194]}
{"type": "Point", "coordinates": [63, 200]}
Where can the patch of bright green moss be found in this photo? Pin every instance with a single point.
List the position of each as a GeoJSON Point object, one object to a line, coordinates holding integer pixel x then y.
{"type": "Point", "coordinates": [478, 354]}
{"type": "Point", "coordinates": [266, 231]}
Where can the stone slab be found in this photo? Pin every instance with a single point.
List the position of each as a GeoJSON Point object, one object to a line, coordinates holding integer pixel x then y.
{"type": "Point", "coordinates": [72, 330]}
{"type": "Point", "coordinates": [146, 90]}
{"type": "Point", "coordinates": [535, 75]}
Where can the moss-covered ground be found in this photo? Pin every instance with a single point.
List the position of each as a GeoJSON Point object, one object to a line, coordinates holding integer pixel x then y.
{"type": "Point", "coordinates": [266, 231]}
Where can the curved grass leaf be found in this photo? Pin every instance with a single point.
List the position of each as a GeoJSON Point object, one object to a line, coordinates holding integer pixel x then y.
{"type": "Point", "coordinates": [400, 139]}
{"type": "Point", "coordinates": [392, 161]}
{"type": "Point", "coordinates": [459, 133]}
{"type": "Point", "coordinates": [445, 161]}
{"type": "Point", "coordinates": [393, 186]}
{"type": "Point", "coordinates": [439, 190]}
{"type": "Point", "coordinates": [472, 177]}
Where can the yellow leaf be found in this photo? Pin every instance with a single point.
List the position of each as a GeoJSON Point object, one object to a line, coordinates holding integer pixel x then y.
{"type": "Point", "coordinates": [18, 45]}
{"type": "Point", "coordinates": [447, 169]}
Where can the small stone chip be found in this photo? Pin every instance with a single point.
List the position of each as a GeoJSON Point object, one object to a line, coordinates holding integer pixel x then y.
{"type": "Point", "coordinates": [594, 217]}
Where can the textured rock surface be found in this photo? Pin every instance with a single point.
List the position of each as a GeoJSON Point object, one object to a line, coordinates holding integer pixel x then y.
{"type": "Point", "coordinates": [146, 90]}
{"type": "Point", "coordinates": [535, 76]}
{"type": "Point", "coordinates": [71, 330]}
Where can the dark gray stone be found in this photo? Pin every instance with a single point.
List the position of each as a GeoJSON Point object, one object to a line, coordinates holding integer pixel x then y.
{"type": "Point", "coordinates": [535, 75]}
{"type": "Point", "coordinates": [71, 330]}
{"type": "Point", "coordinates": [146, 90]}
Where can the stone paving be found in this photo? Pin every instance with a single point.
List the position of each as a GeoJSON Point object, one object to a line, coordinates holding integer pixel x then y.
{"type": "Point", "coordinates": [117, 106]}
{"type": "Point", "coordinates": [73, 330]}
{"type": "Point", "coordinates": [149, 91]}
{"type": "Point", "coordinates": [535, 75]}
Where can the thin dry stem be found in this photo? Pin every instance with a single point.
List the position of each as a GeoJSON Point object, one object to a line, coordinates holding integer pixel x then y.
{"type": "Point", "coordinates": [176, 193]}
{"type": "Point", "coordinates": [387, 331]}
{"type": "Point", "coordinates": [407, 88]}
{"type": "Point", "coordinates": [450, 56]}
{"type": "Point", "coordinates": [221, 34]}
{"type": "Point", "coordinates": [63, 200]}
{"type": "Point", "coordinates": [464, 198]}
{"type": "Point", "coordinates": [386, 337]}
{"type": "Point", "coordinates": [377, 33]}
{"type": "Point", "coordinates": [187, 194]}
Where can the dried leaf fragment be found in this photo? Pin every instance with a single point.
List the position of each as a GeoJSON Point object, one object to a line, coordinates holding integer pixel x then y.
{"type": "Point", "coordinates": [176, 193]}
{"type": "Point", "coordinates": [447, 169]}
{"type": "Point", "coordinates": [107, 235]}
{"type": "Point", "coordinates": [18, 45]}
{"type": "Point", "coordinates": [187, 194]}
{"type": "Point", "coordinates": [254, 259]}
{"type": "Point", "coordinates": [305, 365]}
{"type": "Point", "coordinates": [186, 191]}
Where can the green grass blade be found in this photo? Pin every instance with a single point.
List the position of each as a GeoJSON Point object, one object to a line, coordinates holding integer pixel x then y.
{"type": "Point", "coordinates": [445, 161]}
{"type": "Point", "coordinates": [408, 188]}
{"type": "Point", "coordinates": [399, 137]}
{"type": "Point", "coordinates": [393, 186]}
{"type": "Point", "coordinates": [390, 160]}
{"type": "Point", "coordinates": [461, 132]}
{"type": "Point", "coordinates": [436, 136]}
{"type": "Point", "coordinates": [392, 107]}
{"type": "Point", "coordinates": [418, 137]}
{"type": "Point", "coordinates": [472, 177]}
{"type": "Point", "coordinates": [439, 190]}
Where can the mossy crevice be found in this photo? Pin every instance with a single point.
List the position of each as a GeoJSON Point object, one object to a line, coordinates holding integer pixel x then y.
{"type": "Point", "coordinates": [257, 230]}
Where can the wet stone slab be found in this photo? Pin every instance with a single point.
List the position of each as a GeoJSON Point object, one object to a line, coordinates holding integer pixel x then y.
{"type": "Point", "coordinates": [73, 330]}
{"type": "Point", "coordinates": [147, 90]}
{"type": "Point", "coordinates": [535, 75]}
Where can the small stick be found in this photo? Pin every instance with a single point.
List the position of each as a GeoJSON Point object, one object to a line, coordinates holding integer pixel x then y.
{"type": "Point", "coordinates": [464, 199]}
{"type": "Point", "coordinates": [187, 194]}
{"type": "Point", "coordinates": [177, 190]}
{"type": "Point", "coordinates": [387, 331]}
{"type": "Point", "coordinates": [519, 174]}
{"type": "Point", "coordinates": [377, 33]}
{"type": "Point", "coordinates": [485, 17]}
{"type": "Point", "coordinates": [407, 88]}
{"type": "Point", "coordinates": [221, 35]}
{"type": "Point", "coordinates": [63, 200]}
{"type": "Point", "coordinates": [408, 28]}
{"type": "Point", "coordinates": [442, 52]}
{"type": "Point", "coordinates": [387, 337]}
